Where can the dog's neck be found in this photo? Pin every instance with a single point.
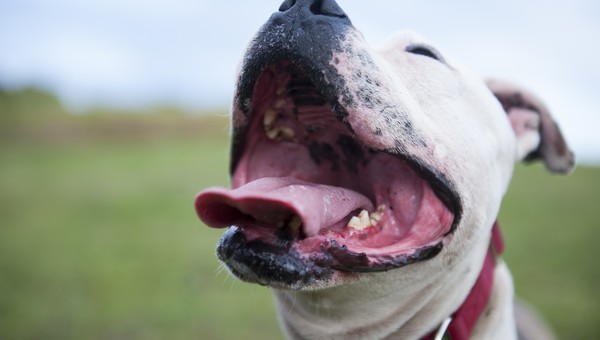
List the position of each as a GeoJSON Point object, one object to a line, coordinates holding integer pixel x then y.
{"type": "Point", "coordinates": [379, 308]}
{"type": "Point", "coordinates": [461, 323]}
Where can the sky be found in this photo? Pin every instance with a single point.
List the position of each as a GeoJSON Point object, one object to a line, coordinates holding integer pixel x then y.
{"type": "Point", "coordinates": [140, 53]}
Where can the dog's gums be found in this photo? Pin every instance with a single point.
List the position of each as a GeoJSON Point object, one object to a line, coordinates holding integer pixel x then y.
{"type": "Point", "coordinates": [305, 183]}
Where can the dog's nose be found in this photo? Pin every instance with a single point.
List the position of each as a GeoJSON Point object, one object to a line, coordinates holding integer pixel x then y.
{"type": "Point", "coordinates": [317, 7]}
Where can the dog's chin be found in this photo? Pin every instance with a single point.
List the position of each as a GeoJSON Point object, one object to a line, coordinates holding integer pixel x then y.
{"type": "Point", "coordinates": [311, 203]}
{"type": "Point", "coordinates": [274, 264]}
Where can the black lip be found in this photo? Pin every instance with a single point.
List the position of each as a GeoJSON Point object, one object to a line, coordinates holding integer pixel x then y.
{"type": "Point", "coordinates": [340, 258]}
{"type": "Point", "coordinates": [277, 265]}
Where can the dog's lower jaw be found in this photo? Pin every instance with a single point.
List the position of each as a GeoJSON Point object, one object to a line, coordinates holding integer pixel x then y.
{"type": "Point", "coordinates": [389, 307]}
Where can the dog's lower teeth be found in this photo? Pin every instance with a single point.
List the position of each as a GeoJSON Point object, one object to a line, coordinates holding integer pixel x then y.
{"type": "Point", "coordinates": [354, 223]}
{"type": "Point", "coordinates": [360, 222]}
{"type": "Point", "coordinates": [292, 228]}
{"type": "Point", "coordinates": [294, 223]}
{"type": "Point", "coordinates": [280, 103]}
{"type": "Point", "coordinates": [377, 215]}
{"type": "Point", "coordinates": [366, 219]}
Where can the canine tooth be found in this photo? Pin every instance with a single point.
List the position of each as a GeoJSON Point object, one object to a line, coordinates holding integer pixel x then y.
{"type": "Point", "coordinates": [270, 117]}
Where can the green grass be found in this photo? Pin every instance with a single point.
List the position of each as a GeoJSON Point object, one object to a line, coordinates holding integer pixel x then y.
{"type": "Point", "coordinates": [99, 240]}
{"type": "Point", "coordinates": [552, 230]}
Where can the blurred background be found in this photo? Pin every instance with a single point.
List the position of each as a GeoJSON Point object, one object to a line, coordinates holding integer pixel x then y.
{"type": "Point", "coordinates": [113, 114]}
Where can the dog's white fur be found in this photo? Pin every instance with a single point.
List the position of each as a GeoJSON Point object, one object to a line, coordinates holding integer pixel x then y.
{"type": "Point", "coordinates": [467, 137]}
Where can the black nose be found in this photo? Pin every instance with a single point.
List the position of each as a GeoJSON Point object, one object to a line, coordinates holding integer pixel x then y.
{"type": "Point", "coordinates": [317, 7]}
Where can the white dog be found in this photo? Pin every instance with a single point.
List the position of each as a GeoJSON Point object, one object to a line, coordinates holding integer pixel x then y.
{"type": "Point", "coordinates": [366, 182]}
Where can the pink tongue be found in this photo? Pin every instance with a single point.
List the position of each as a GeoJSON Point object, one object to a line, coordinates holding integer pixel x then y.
{"type": "Point", "coordinates": [270, 201]}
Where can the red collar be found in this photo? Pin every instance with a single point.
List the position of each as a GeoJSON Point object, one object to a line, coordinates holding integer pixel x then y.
{"type": "Point", "coordinates": [462, 322]}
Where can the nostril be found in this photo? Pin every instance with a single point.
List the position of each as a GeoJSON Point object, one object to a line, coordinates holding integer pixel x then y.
{"type": "Point", "coordinates": [286, 5]}
{"type": "Point", "coordinates": [317, 7]}
{"type": "Point", "coordinates": [328, 8]}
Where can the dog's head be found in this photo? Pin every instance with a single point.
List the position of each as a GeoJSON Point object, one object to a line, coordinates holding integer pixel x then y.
{"type": "Point", "coordinates": [348, 159]}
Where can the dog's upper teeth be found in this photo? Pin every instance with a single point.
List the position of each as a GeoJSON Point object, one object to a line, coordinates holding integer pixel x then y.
{"type": "Point", "coordinates": [272, 133]}
{"type": "Point", "coordinates": [269, 118]}
{"type": "Point", "coordinates": [280, 90]}
{"type": "Point", "coordinates": [280, 103]}
{"type": "Point", "coordinates": [280, 133]}
{"type": "Point", "coordinates": [287, 133]}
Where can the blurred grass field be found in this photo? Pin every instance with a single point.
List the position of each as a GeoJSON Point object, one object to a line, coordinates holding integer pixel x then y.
{"type": "Point", "coordinates": [99, 240]}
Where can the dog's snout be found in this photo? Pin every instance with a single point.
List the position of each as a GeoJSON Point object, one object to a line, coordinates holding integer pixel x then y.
{"type": "Point", "coordinates": [316, 7]}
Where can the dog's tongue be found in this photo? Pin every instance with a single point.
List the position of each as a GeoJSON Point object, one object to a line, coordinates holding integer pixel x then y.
{"type": "Point", "coordinates": [272, 201]}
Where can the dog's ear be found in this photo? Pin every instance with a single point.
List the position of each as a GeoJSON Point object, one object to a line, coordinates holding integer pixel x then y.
{"type": "Point", "coordinates": [538, 136]}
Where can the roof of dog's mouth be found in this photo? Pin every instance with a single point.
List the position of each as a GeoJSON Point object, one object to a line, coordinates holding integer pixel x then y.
{"type": "Point", "coordinates": [305, 179]}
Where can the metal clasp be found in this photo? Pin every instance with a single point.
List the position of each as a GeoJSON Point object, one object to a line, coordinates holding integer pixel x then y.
{"type": "Point", "coordinates": [441, 332]}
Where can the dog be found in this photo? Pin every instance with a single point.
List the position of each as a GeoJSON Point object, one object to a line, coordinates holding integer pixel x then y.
{"type": "Point", "coordinates": [366, 181]}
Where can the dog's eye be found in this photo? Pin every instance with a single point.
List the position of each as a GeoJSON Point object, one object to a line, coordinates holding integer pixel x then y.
{"type": "Point", "coordinates": [425, 51]}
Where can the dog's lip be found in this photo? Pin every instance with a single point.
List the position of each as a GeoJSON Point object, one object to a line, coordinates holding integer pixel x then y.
{"type": "Point", "coordinates": [338, 252]}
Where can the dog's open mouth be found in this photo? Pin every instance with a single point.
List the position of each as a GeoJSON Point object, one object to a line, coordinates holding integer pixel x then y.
{"type": "Point", "coordinates": [307, 185]}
